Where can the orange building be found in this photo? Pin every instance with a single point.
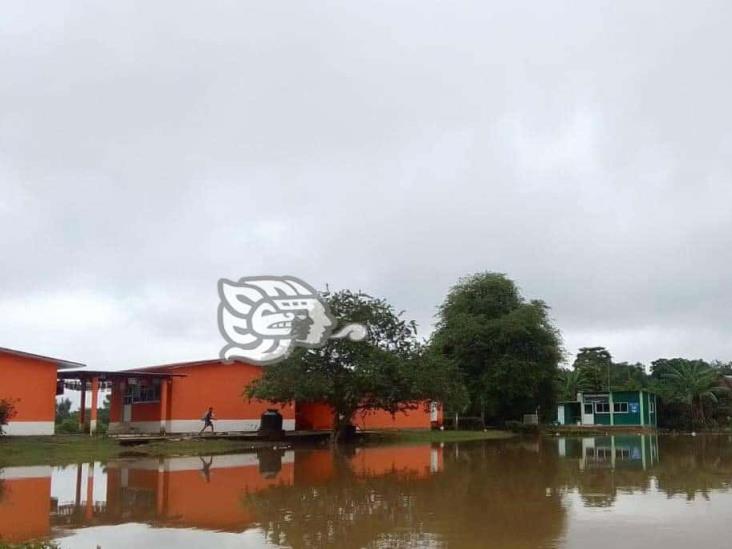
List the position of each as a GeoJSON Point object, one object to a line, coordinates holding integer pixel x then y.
{"type": "Point", "coordinates": [173, 398]}
{"type": "Point", "coordinates": [29, 382]}
{"type": "Point", "coordinates": [319, 417]}
{"type": "Point", "coordinates": [170, 398]}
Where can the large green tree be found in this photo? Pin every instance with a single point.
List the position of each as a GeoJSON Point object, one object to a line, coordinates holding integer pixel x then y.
{"type": "Point", "coordinates": [571, 382]}
{"type": "Point", "coordinates": [691, 383]}
{"type": "Point", "coordinates": [602, 373]}
{"type": "Point", "coordinates": [594, 363]}
{"type": "Point", "coordinates": [389, 371]}
{"type": "Point", "coordinates": [507, 348]}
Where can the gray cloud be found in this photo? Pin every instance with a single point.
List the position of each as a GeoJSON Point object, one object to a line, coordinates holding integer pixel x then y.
{"type": "Point", "coordinates": [148, 150]}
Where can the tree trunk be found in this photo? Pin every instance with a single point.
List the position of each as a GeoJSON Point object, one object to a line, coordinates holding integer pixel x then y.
{"type": "Point", "coordinates": [702, 417]}
{"type": "Point", "coordinates": [341, 428]}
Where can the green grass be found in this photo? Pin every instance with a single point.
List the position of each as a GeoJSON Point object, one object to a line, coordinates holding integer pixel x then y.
{"type": "Point", "coordinates": [435, 436]}
{"type": "Point", "coordinates": [67, 449]}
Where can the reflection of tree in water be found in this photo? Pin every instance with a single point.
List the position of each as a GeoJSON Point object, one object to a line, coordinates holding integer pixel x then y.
{"type": "Point", "coordinates": [497, 494]}
{"type": "Point", "coordinates": [695, 465]}
{"type": "Point", "coordinates": [346, 511]}
{"type": "Point", "coordinates": [689, 466]}
{"type": "Point", "coordinates": [502, 495]}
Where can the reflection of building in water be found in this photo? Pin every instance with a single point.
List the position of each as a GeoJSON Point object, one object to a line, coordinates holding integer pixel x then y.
{"type": "Point", "coordinates": [622, 451]}
{"type": "Point", "coordinates": [208, 492]}
{"type": "Point", "coordinates": [25, 503]}
{"type": "Point", "coordinates": [602, 465]}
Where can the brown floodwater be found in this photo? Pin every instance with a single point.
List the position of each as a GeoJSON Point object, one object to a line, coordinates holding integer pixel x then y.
{"type": "Point", "coordinates": [600, 492]}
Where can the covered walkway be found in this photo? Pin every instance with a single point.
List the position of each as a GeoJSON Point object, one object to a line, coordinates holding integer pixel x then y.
{"type": "Point", "coordinates": [156, 389]}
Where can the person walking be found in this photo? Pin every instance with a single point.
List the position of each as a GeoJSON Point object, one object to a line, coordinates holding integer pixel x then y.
{"type": "Point", "coordinates": [207, 419]}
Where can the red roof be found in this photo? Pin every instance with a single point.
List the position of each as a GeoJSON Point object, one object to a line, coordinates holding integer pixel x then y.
{"type": "Point", "coordinates": [60, 364]}
{"type": "Point", "coordinates": [173, 365]}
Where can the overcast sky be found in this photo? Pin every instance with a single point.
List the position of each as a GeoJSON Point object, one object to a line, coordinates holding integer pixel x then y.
{"type": "Point", "coordinates": [148, 149]}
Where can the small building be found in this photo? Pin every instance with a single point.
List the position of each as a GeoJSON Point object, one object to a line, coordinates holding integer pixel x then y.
{"type": "Point", "coordinates": [318, 416]}
{"type": "Point", "coordinates": [610, 408]}
{"type": "Point", "coordinates": [28, 381]}
{"type": "Point", "coordinates": [172, 398]}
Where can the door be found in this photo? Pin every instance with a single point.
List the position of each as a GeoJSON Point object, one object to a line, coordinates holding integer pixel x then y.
{"type": "Point", "coordinates": [560, 415]}
{"type": "Point", "coordinates": [588, 414]}
{"type": "Point", "coordinates": [126, 413]}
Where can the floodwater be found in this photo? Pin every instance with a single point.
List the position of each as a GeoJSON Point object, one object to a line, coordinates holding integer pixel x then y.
{"type": "Point", "coordinates": [601, 492]}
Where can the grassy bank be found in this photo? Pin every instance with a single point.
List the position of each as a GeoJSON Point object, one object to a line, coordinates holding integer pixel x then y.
{"type": "Point", "coordinates": [573, 430]}
{"type": "Point", "coordinates": [67, 449]}
{"type": "Point", "coordinates": [435, 436]}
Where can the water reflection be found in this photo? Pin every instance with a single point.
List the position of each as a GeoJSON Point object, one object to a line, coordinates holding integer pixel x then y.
{"type": "Point", "coordinates": [518, 494]}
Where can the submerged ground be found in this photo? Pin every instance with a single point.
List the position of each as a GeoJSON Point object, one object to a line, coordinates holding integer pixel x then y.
{"type": "Point", "coordinates": [621, 490]}
{"type": "Point", "coordinates": [65, 449]}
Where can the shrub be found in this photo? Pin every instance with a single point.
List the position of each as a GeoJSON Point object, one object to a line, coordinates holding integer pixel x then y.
{"type": "Point", "coordinates": [68, 426]}
{"type": "Point", "coordinates": [518, 427]}
{"type": "Point", "coordinates": [7, 412]}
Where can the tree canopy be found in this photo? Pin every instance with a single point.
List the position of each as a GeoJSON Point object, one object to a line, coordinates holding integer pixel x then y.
{"type": "Point", "coordinates": [507, 348]}
{"type": "Point", "coordinates": [389, 371]}
{"type": "Point", "coordinates": [600, 372]}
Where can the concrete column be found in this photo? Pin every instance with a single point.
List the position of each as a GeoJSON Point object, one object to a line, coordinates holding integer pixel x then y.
{"type": "Point", "coordinates": [612, 407]}
{"type": "Point", "coordinates": [93, 411]}
{"type": "Point", "coordinates": [160, 491]}
{"type": "Point", "coordinates": [89, 511]}
{"type": "Point", "coordinates": [642, 409]}
{"type": "Point", "coordinates": [77, 500]}
{"type": "Point", "coordinates": [82, 411]}
{"type": "Point", "coordinates": [163, 405]}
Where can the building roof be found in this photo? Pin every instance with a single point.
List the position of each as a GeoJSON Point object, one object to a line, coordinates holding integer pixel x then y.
{"type": "Point", "coordinates": [105, 375]}
{"type": "Point", "coordinates": [174, 365]}
{"type": "Point", "coordinates": [60, 364]}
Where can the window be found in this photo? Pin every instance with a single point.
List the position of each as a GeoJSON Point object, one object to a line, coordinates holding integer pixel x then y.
{"type": "Point", "coordinates": [142, 393]}
{"type": "Point", "coordinates": [602, 408]}
{"type": "Point", "coordinates": [620, 407]}
{"type": "Point", "coordinates": [588, 408]}
{"type": "Point", "coordinates": [652, 404]}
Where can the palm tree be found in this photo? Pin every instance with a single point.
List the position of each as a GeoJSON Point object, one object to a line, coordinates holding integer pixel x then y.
{"type": "Point", "coordinates": [693, 382]}
{"type": "Point", "coordinates": [571, 382]}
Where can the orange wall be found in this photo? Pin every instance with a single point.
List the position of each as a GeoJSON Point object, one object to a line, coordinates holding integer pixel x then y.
{"type": "Point", "coordinates": [115, 403]}
{"type": "Point", "coordinates": [317, 416]}
{"type": "Point", "coordinates": [188, 498]}
{"type": "Point", "coordinates": [221, 386]}
{"type": "Point", "coordinates": [418, 418]}
{"type": "Point", "coordinates": [220, 503]}
{"type": "Point", "coordinates": [313, 416]}
{"type": "Point", "coordinates": [24, 509]}
{"type": "Point", "coordinates": [317, 467]}
{"type": "Point", "coordinates": [31, 384]}
{"type": "Point", "coordinates": [408, 460]}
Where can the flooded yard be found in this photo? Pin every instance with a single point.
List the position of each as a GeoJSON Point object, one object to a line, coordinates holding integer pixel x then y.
{"type": "Point", "coordinates": [621, 491]}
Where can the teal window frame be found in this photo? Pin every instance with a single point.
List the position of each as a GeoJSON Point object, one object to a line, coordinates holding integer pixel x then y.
{"type": "Point", "coordinates": [617, 408]}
